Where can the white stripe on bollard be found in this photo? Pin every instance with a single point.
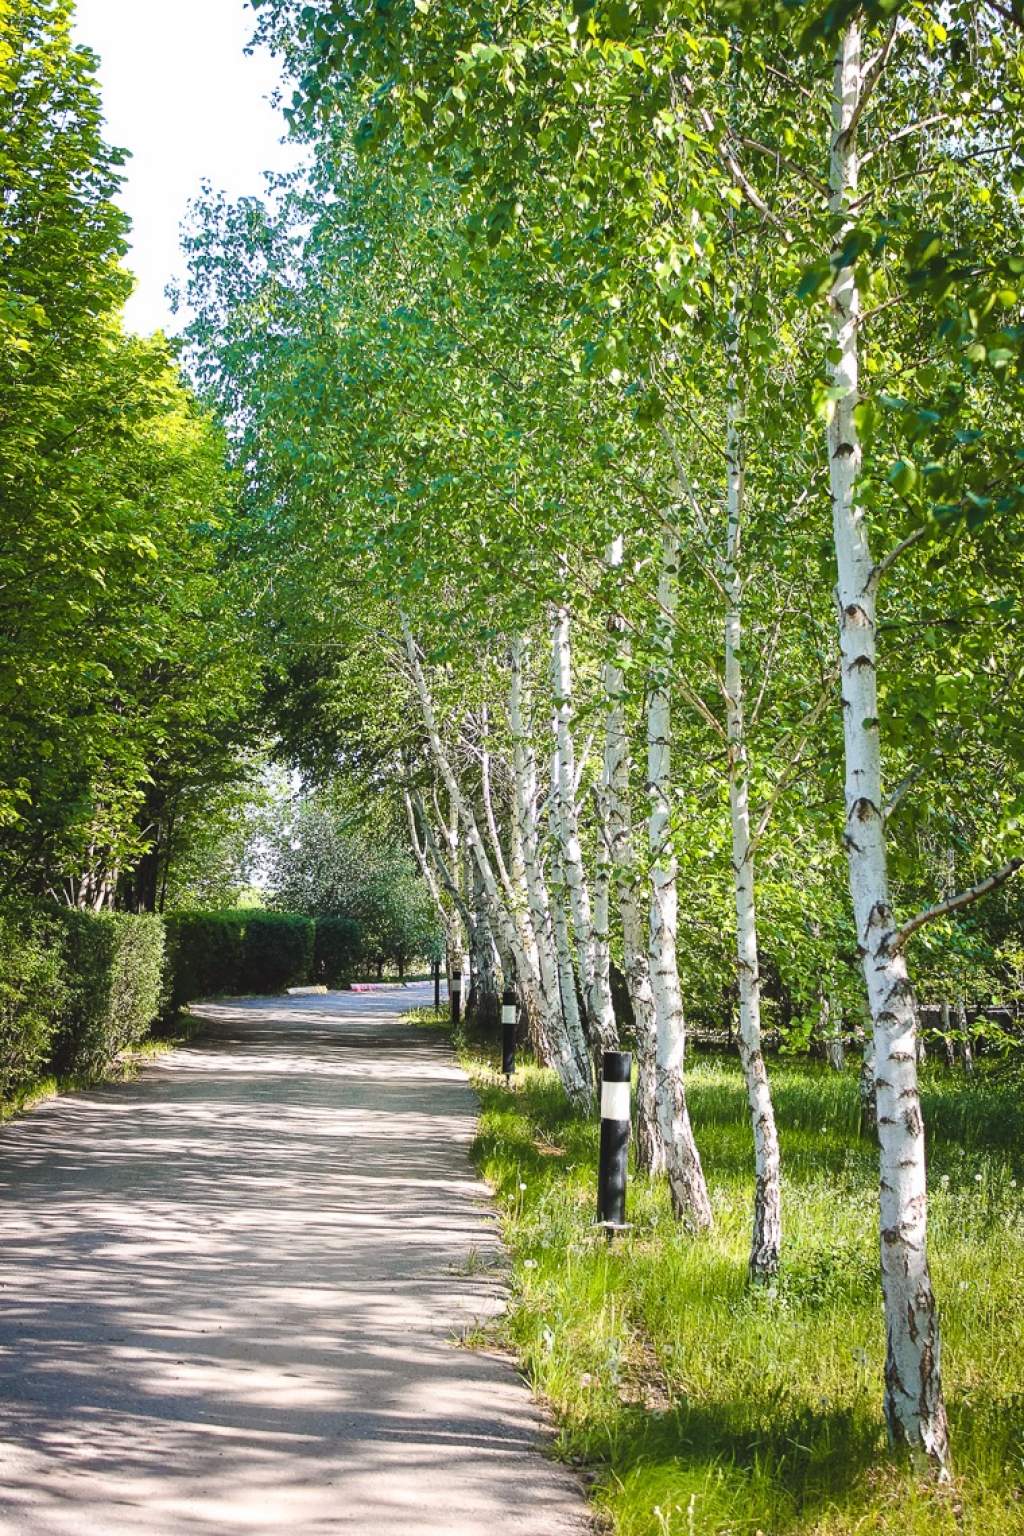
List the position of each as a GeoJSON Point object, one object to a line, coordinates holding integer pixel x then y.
{"type": "Point", "coordinates": [614, 1101]}
{"type": "Point", "coordinates": [508, 1014]}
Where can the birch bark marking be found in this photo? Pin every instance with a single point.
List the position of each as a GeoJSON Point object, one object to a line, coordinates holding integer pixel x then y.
{"type": "Point", "coordinates": [766, 1239]}
{"type": "Point", "coordinates": [687, 1185]}
{"type": "Point", "coordinates": [598, 998]}
{"type": "Point", "coordinates": [914, 1405]}
{"type": "Point", "coordinates": [622, 849]}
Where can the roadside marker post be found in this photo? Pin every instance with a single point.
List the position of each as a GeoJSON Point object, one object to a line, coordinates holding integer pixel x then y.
{"type": "Point", "coordinates": [616, 1072]}
{"type": "Point", "coordinates": [456, 996]}
{"type": "Point", "coordinates": [508, 1034]}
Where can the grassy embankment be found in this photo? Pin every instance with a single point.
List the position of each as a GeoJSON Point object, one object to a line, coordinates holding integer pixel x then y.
{"type": "Point", "coordinates": [702, 1407]}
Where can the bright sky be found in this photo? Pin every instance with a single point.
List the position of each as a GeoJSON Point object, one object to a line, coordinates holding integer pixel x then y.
{"type": "Point", "coordinates": [181, 95]}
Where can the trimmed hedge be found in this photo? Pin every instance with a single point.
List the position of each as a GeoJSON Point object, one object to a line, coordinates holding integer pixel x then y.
{"type": "Point", "coordinates": [32, 997]}
{"type": "Point", "coordinates": [78, 988]}
{"type": "Point", "coordinates": [216, 954]}
{"type": "Point", "coordinates": [205, 956]}
{"type": "Point", "coordinates": [278, 951]}
{"type": "Point", "coordinates": [338, 950]}
{"type": "Point", "coordinates": [114, 964]}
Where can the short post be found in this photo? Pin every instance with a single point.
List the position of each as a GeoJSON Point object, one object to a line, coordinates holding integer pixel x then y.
{"type": "Point", "coordinates": [456, 995]}
{"type": "Point", "coordinates": [616, 1072]}
{"type": "Point", "coordinates": [508, 1034]}
{"type": "Point", "coordinates": [437, 986]}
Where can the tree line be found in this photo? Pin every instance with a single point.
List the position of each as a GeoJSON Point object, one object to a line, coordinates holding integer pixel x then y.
{"type": "Point", "coordinates": [626, 397]}
{"type": "Point", "coordinates": [604, 454]}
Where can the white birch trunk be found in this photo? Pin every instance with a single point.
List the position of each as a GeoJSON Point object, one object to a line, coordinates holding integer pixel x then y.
{"type": "Point", "coordinates": [628, 883]}
{"type": "Point", "coordinates": [767, 1229]}
{"type": "Point", "coordinates": [966, 1049]}
{"type": "Point", "coordinates": [687, 1185]}
{"type": "Point", "coordinates": [565, 1033]}
{"type": "Point", "coordinates": [832, 1033]}
{"type": "Point", "coordinates": [560, 1050]}
{"type": "Point", "coordinates": [914, 1405]}
{"type": "Point", "coordinates": [595, 981]}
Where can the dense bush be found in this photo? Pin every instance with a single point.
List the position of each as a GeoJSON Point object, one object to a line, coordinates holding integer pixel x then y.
{"type": "Point", "coordinates": [205, 956]}
{"type": "Point", "coordinates": [278, 951]}
{"type": "Point", "coordinates": [338, 950]}
{"type": "Point", "coordinates": [114, 964]}
{"type": "Point", "coordinates": [213, 954]}
{"type": "Point", "coordinates": [32, 995]}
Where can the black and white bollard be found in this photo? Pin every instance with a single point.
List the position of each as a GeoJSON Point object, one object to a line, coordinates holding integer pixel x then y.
{"type": "Point", "coordinates": [616, 1069]}
{"type": "Point", "coordinates": [437, 986]}
{"type": "Point", "coordinates": [508, 1034]}
{"type": "Point", "coordinates": [456, 995]}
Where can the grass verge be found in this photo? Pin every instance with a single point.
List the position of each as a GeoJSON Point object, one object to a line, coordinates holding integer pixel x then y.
{"type": "Point", "coordinates": [125, 1067]}
{"type": "Point", "coordinates": [705, 1409]}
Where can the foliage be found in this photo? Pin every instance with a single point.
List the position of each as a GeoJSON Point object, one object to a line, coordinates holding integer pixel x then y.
{"type": "Point", "coordinates": [114, 964]}
{"type": "Point", "coordinates": [277, 951]}
{"type": "Point", "coordinates": [33, 991]}
{"type": "Point", "coordinates": [338, 949]}
{"type": "Point", "coordinates": [322, 861]}
{"type": "Point", "coordinates": [214, 954]}
{"type": "Point", "coordinates": [703, 1407]}
{"type": "Point", "coordinates": [120, 685]}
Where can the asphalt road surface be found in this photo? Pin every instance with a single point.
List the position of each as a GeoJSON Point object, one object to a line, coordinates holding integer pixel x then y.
{"type": "Point", "coordinates": [232, 1294]}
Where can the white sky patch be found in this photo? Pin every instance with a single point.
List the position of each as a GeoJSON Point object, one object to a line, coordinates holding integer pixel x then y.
{"type": "Point", "coordinates": [180, 93]}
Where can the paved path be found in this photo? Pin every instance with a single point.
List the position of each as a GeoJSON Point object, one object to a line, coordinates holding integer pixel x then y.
{"type": "Point", "coordinates": [228, 1294]}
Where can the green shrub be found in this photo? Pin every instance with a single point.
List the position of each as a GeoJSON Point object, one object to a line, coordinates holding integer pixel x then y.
{"type": "Point", "coordinates": [338, 950]}
{"type": "Point", "coordinates": [278, 951]}
{"type": "Point", "coordinates": [226, 954]}
{"type": "Point", "coordinates": [32, 995]}
{"type": "Point", "coordinates": [205, 956]}
{"type": "Point", "coordinates": [114, 966]}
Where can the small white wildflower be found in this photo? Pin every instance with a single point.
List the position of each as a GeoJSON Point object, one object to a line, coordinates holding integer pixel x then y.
{"type": "Point", "coordinates": [586, 1379]}
{"type": "Point", "coordinates": [529, 1263]}
{"type": "Point", "coordinates": [977, 1178]}
{"type": "Point", "coordinates": [963, 1285]}
{"type": "Point", "coordinates": [522, 1186]}
{"type": "Point", "coordinates": [1013, 1183]}
{"type": "Point", "coordinates": [944, 1181]}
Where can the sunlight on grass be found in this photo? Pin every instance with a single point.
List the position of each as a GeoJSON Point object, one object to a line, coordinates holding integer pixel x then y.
{"type": "Point", "coordinates": [708, 1408]}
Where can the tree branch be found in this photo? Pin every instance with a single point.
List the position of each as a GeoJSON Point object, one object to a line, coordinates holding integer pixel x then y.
{"type": "Point", "coordinates": [954, 903]}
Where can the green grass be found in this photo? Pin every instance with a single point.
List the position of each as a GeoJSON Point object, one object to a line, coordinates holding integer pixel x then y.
{"type": "Point", "coordinates": [704, 1407]}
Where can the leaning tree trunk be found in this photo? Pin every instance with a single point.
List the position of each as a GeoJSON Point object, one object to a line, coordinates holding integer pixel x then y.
{"type": "Point", "coordinates": [650, 1153]}
{"type": "Point", "coordinates": [766, 1239]}
{"type": "Point", "coordinates": [595, 980]}
{"type": "Point", "coordinates": [690, 1199]}
{"type": "Point", "coordinates": [561, 1052]}
{"type": "Point", "coordinates": [914, 1405]}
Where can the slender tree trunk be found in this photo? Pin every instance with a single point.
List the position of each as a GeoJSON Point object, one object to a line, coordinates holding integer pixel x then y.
{"type": "Point", "coordinates": [594, 978]}
{"type": "Point", "coordinates": [914, 1405]}
{"type": "Point", "coordinates": [689, 1191]}
{"type": "Point", "coordinates": [486, 990]}
{"type": "Point", "coordinates": [567, 1031]}
{"type": "Point", "coordinates": [559, 1051]}
{"type": "Point", "coordinates": [650, 1154]}
{"type": "Point", "coordinates": [831, 1026]}
{"type": "Point", "coordinates": [947, 1038]}
{"type": "Point", "coordinates": [767, 1231]}
{"type": "Point", "coordinates": [966, 1050]}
